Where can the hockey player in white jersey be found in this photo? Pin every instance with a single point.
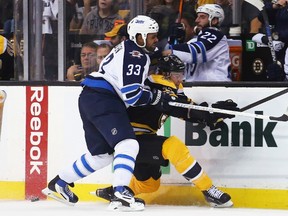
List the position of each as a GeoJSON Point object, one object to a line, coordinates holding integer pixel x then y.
{"type": "Point", "coordinates": [207, 55]}
{"type": "Point", "coordinates": [109, 136]}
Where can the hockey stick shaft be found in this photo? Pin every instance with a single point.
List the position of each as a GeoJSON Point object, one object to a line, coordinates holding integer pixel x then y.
{"type": "Point", "coordinates": [256, 103]}
{"type": "Point", "coordinates": [269, 35]}
{"type": "Point", "coordinates": [283, 118]}
{"type": "Point", "coordinates": [180, 11]}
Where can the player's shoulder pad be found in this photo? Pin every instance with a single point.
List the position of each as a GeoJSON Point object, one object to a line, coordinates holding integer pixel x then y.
{"type": "Point", "coordinates": [210, 37]}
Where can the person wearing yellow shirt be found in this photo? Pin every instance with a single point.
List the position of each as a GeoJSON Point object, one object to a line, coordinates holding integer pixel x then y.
{"type": "Point", "coordinates": [6, 59]}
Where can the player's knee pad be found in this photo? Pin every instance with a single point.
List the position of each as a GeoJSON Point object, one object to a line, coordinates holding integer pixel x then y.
{"type": "Point", "coordinates": [177, 153]}
{"type": "Point", "coordinates": [148, 186]}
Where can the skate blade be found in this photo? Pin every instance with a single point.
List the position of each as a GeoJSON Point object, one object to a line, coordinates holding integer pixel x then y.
{"type": "Point", "coordinates": [53, 195]}
{"type": "Point", "coordinates": [224, 205]}
{"type": "Point", "coordinates": [117, 206]}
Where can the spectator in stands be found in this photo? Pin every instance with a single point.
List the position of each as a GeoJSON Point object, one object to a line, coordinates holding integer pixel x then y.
{"type": "Point", "coordinates": [81, 9]}
{"type": "Point", "coordinates": [88, 63]}
{"type": "Point", "coordinates": [277, 12]}
{"type": "Point", "coordinates": [102, 51]}
{"type": "Point", "coordinates": [203, 2]}
{"type": "Point", "coordinates": [7, 19]}
{"type": "Point", "coordinates": [149, 4]}
{"type": "Point", "coordinates": [6, 15]}
{"type": "Point", "coordinates": [250, 10]}
{"type": "Point", "coordinates": [188, 20]}
{"type": "Point", "coordinates": [50, 35]}
{"type": "Point", "coordinates": [124, 10]}
{"type": "Point", "coordinates": [101, 19]}
{"type": "Point", "coordinates": [166, 18]}
{"type": "Point", "coordinates": [6, 59]}
{"type": "Point", "coordinates": [124, 5]}
{"type": "Point", "coordinates": [172, 4]}
{"type": "Point", "coordinates": [117, 34]}
{"type": "Point", "coordinates": [228, 20]}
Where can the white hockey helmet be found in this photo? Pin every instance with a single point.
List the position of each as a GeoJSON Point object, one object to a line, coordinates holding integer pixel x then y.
{"type": "Point", "coordinates": [213, 11]}
{"type": "Point", "coordinates": [141, 25]}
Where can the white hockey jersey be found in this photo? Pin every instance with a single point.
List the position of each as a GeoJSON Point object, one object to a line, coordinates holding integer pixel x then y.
{"type": "Point", "coordinates": [125, 68]}
{"type": "Point", "coordinates": [206, 57]}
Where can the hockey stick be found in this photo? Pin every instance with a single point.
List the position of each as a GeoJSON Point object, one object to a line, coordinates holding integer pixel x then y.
{"type": "Point", "coordinates": [283, 118]}
{"type": "Point", "coordinates": [256, 103]}
{"type": "Point", "coordinates": [180, 11]}
{"type": "Point", "coordinates": [172, 39]}
{"type": "Point", "coordinates": [269, 35]}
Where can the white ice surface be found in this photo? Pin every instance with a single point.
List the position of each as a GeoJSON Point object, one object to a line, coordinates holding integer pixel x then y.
{"type": "Point", "coordinates": [54, 208]}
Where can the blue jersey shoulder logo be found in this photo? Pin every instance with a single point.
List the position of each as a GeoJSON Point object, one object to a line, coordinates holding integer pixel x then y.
{"type": "Point", "coordinates": [136, 54]}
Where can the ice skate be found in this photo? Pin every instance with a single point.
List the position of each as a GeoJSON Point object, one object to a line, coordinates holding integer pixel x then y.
{"type": "Point", "coordinates": [216, 198]}
{"type": "Point", "coordinates": [123, 199]}
{"type": "Point", "coordinates": [106, 193]}
{"type": "Point", "coordinates": [59, 190]}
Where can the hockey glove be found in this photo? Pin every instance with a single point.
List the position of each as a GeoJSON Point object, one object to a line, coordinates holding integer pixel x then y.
{"type": "Point", "coordinates": [216, 119]}
{"type": "Point", "coordinates": [275, 72]}
{"type": "Point", "coordinates": [211, 120]}
{"type": "Point", "coordinates": [226, 105]}
{"type": "Point", "coordinates": [262, 38]}
{"type": "Point", "coordinates": [161, 100]}
{"type": "Point", "coordinates": [199, 116]}
{"type": "Point", "coordinates": [177, 34]}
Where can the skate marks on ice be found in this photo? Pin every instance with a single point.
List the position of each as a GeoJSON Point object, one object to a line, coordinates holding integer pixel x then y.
{"type": "Point", "coordinates": [48, 208]}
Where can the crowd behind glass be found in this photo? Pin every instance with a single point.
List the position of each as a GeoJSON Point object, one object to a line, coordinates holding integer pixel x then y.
{"type": "Point", "coordinates": [87, 21]}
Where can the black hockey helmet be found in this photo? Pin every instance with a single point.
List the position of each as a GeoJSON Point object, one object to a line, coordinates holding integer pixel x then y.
{"type": "Point", "coordinates": [170, 63]}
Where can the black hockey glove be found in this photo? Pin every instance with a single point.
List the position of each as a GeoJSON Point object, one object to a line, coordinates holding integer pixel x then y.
{"type": "Point", "coordinates": [226, 105]}
{"type": "Point", "coordinates": [216, 119]}
{"type": "Point", "coordinates": [275, 72]}
{"type": "Point", "coordinates": [161, 100]}
{"type": "Point", "coordinates": [212, 120]}
{"type": "Point", "coordinates": [199, 116]}
{"type": "Point", "coordinates": [177, 35]}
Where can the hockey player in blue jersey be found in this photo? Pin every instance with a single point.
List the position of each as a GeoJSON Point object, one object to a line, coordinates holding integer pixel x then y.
{"type": "Point", "coordinates": [109, 136]}
{"type": "Point", "coordinates": [207, 55]}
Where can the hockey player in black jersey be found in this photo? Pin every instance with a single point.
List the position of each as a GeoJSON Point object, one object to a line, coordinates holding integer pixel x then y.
{"type": "Point", "coordinates": [156, 151]}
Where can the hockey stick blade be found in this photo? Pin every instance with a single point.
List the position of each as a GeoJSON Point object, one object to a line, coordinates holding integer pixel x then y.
{"type": "Point", "coordinates": [52, 194]}
{"type": "Point", "coordinates": [283, 118]}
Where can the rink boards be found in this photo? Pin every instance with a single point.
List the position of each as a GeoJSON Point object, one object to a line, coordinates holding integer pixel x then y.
{"type": "Point", "coordinates": [42, 132]}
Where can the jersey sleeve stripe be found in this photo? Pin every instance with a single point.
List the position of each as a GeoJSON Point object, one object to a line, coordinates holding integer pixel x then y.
{"type": "Point", "coordinates": [203, 50]}
{"type": "Point", "coordinates": [193, 53]}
